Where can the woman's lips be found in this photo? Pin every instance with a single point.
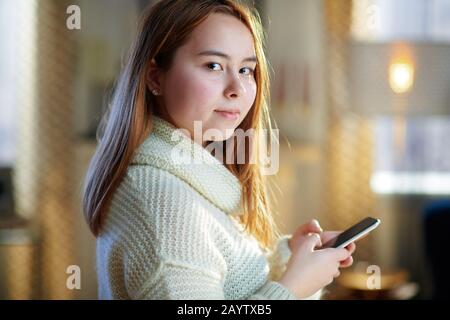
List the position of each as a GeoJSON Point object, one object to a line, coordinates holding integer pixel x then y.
{"type": "Point", "coordinates": [232, 115]}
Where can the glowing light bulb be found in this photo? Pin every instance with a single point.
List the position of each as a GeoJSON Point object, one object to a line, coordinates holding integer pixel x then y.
{"type": "Point", "coordinates": [401, 76]}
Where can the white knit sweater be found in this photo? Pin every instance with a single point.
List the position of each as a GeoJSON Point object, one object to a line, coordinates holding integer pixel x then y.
{"type": "Point", "coordinates": [171, 231]}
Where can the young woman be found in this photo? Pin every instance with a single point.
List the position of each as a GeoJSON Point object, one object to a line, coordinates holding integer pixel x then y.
{"type": "Point", "coordinates": [200, 229]}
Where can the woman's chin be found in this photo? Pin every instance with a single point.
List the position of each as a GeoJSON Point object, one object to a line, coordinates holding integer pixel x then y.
{"type": "Point", "coordinates": [219, 133]}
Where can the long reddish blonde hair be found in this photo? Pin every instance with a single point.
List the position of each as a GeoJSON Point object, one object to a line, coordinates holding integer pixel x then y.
{"type": "Point", "coordinates": [164, 27]}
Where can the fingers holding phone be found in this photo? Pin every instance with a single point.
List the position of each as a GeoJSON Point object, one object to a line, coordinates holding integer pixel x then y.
{"type": "Point", "coordinates": [326, 236]}
{"type": "Point", "coordinates": [349, 261]}
{"type": "Point", "coordinates": [317, 256]}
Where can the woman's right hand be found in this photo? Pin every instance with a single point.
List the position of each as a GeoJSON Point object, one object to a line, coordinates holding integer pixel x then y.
{"type": "Point", "coordinates": [309, 270]}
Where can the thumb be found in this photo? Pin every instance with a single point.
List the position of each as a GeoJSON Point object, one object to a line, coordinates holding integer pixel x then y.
{"type": "Point", "coordinates": [312, 241]}
{"type": "Point", "coordinates": [315, 226]}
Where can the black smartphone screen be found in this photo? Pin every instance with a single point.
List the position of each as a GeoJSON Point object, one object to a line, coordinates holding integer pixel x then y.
{"type": "Point", "coordinates": [353, 232]}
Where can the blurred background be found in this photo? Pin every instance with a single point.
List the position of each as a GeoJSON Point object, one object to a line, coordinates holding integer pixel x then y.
{"type": "Point", "coordinates": [360, 93]}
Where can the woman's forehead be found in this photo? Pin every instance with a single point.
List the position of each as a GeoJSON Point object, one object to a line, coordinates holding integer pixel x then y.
{"type": "Point", "coordinates": [223, 33]}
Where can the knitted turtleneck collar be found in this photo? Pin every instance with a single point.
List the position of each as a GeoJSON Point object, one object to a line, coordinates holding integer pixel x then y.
{"type": "Point", "coordinates": [168, 149]}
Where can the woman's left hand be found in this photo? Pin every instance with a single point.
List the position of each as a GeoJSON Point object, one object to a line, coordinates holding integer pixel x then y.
{"type": "Point", "coordinates": [328, 235]}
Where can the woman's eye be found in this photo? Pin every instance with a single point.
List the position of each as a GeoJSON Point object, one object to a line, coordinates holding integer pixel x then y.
{"type": "Point", "coordinates": [213, 65]}
{"type": "Point", "coordinates": [250, 71]}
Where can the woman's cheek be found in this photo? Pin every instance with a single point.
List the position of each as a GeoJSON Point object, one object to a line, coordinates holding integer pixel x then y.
{"type": "Point", "coordinates": [204, 94]}
{"type": "Point", "coordinates": [251, 95]}
{"type": "Point", "coordinates": [197, 88]}
{"type": "Point", "coordinates": [184, 93]}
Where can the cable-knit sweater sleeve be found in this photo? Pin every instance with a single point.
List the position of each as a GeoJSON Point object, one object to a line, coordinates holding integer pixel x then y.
{"type": "Point", "coordinates": [279, 257]}
{"type": "Point", "coordinates": [172, 251]}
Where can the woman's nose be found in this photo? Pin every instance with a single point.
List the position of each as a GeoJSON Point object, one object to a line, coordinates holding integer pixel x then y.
{"type": "Point", "coordinates": [235, 87]}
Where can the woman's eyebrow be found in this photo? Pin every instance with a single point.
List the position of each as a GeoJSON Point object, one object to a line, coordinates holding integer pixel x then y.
{"type": "Point", "coordinates": [224, 55]}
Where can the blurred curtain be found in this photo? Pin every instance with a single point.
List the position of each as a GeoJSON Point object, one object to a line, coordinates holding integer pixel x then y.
{"type": "Point", "coordinates": [44, 169]}
{"type": "Point", "coordinates": [349, 142]}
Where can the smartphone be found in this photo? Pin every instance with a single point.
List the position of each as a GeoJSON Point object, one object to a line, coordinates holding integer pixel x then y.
{"type": "Point", "coordinates": [353, 233]}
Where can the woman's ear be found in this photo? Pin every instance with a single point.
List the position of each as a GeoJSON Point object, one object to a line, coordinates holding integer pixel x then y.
{"type": "Point", "coordinates": [153, 78]}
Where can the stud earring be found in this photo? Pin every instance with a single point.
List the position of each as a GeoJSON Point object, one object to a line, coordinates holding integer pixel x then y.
{"type": "Point", "coordinates": [155, 92]}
